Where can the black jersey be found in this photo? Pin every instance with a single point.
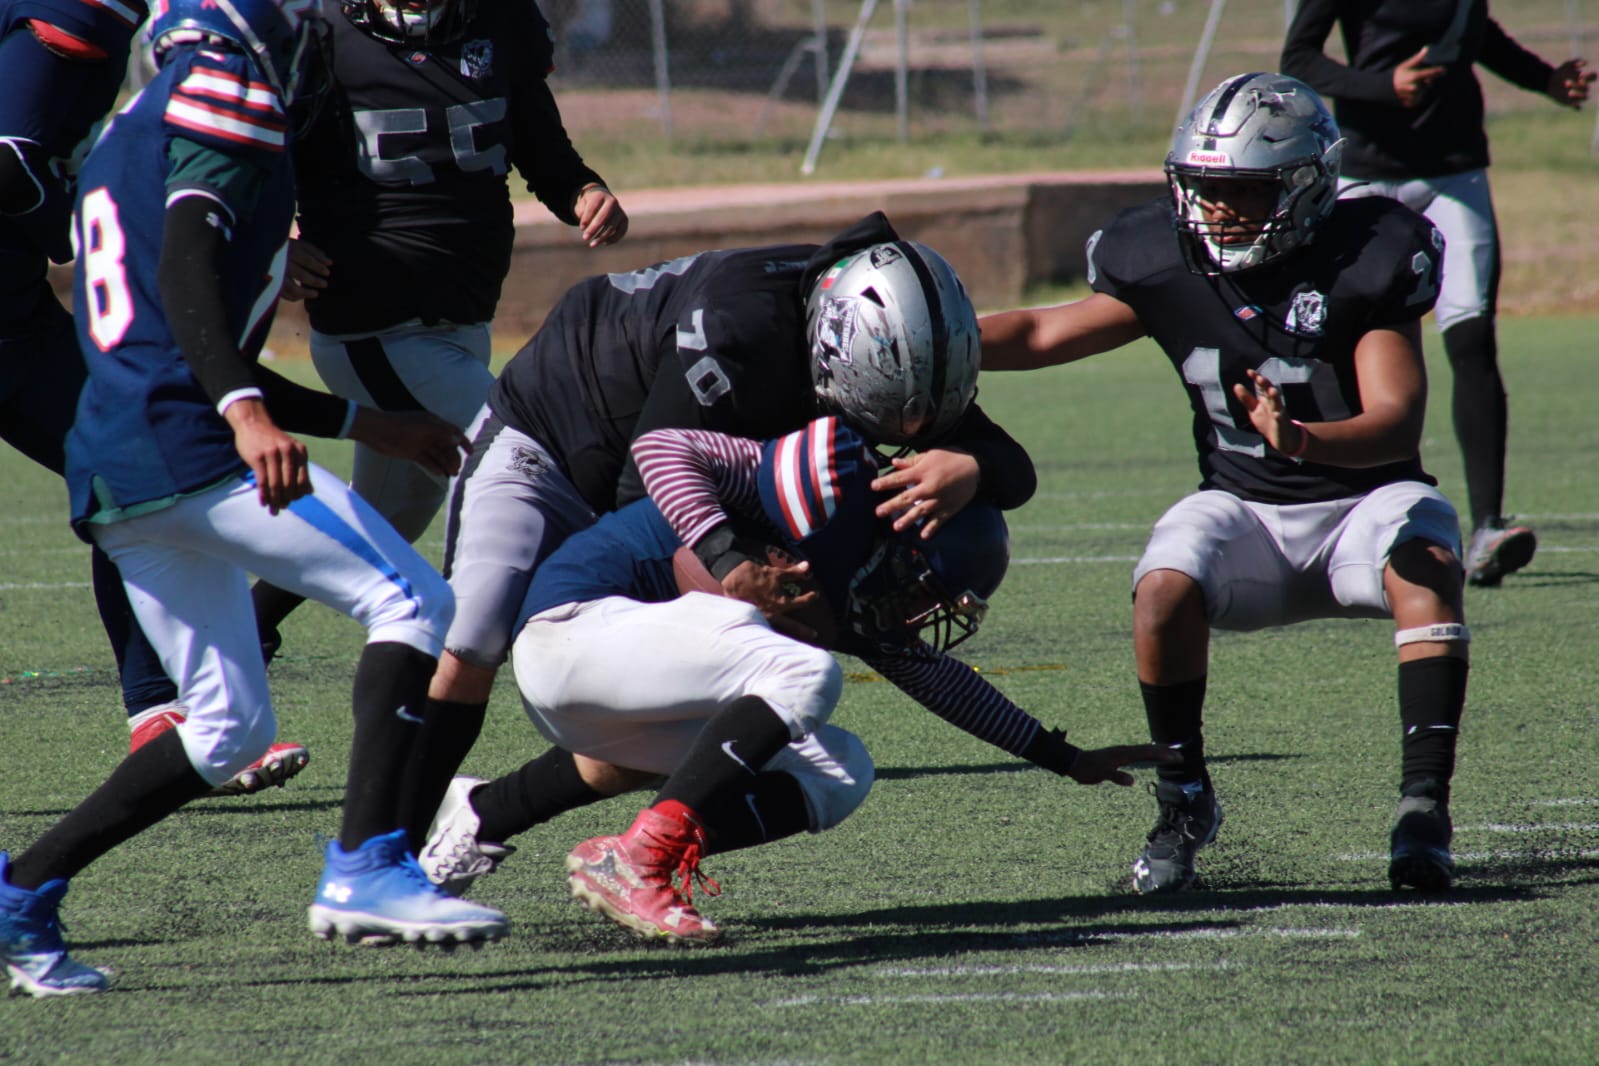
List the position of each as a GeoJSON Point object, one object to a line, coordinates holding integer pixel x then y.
{"type": "Point", "coordinates": [709, 341]}
{"type": "Point", "coordinates": [403, 176]}
{"type": "Point", "coordinates": [1444, 135]}
{"type": "Point", "coordinates": [1297, 321]}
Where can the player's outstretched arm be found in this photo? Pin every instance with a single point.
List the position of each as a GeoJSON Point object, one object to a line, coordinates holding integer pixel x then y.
{"type": "Point", "coordinates": [1096, 766]}
{"type": "Point", "coordinates": [1048, 336]}
{"type": "Point", "coordinates": [419, 436]}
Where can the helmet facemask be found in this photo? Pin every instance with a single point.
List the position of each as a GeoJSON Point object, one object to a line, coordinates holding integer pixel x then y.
{"type": "Point", "coordinates": [416, 22]}
{"type": "Point", "coordinates": [936, 588]}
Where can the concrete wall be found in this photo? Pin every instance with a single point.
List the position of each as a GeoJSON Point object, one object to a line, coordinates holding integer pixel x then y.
{"type": "Point", "coordinates": [1002, 233]}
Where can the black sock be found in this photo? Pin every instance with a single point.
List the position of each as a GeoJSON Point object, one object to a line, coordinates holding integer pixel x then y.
{"type": "Point", "coordinates": [540, 790]}
{"type": "Point", "coordinates": [1481, 414]}
{"type": "Point", "coordinates": [767, 807]}
{"type": "Point", "coordinates": [1432, 694]}
{"type": "Point", "coordinates": [448, 731]}
{"type": "Point", "coordinates": [147, 786]}
{"type": "Point", "coordinates": [1175, 714]}
{"type": "Point", "coordinates": [391, 683]}
{"type": "Point", "coordinates": [272, 606]}
{"type": "Point", "coordinates": [731, 749]}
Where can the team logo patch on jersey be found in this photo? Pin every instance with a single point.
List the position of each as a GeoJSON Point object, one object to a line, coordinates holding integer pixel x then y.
{"type": "Point", "coordinates": [477, 60]}
{"type": "Point", "coordinates": [1307, 315]}
{"type": "Point", "coordinates": [1246, 312]}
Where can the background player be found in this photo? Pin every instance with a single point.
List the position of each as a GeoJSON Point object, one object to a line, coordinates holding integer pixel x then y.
{"type": "Point", "coordinates": [1411, 108]}
{"type": "Point", "coordinates": [61, 65]}
{"type": "Point", "coordinates": [178, 468]}
{"type": "Point", "coordinates": [731, 712]}
{"type": "Point", "coordinates": [753, 341]}
{"type": "Point", "coordinates": [1293, 320]}
{"type": "Point", "coordinates": [405, 218]}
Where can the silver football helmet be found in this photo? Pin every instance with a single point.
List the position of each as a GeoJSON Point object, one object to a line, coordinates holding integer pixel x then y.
{"type": "Point", "coordinates": [894, 345]}
{"type": "Point", "coordinates": [1260, 128]}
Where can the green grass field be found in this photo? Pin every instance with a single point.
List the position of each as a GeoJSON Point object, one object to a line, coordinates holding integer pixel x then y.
{"type": "Point", "coordinates": [974, 910]}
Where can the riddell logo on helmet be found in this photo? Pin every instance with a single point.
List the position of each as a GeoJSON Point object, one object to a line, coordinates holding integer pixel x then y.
{"type": "Point", "coordinates": [1210, 159]}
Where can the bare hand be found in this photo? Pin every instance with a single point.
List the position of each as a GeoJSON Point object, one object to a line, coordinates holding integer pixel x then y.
{"type": "Point", "coordinates": [600, 216]}
{"type": "Point", "coordinates": [930, 487]}
{"type": "Point", "coordinates": [307, 272]}
{"type": "Point", "coordinates": [1100, 765]}
{"type": "Point", "coordinates": [778, 592]}
{"type": "Point", "coordinates": [424, 438]}
{"type": "Point", "coordinates": [1264, 402]}
{"type": "Point", "coordinates": [278, 461]}
{"type": "Point", "coordinates": [1412, 80]}
{"type": "Point", "coordinates": [1568, 85]}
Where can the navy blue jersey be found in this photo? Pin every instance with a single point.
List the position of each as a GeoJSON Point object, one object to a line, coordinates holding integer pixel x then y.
{"type": "Point", "coordinates": [1297, 320]}
{"type": "Point", "coordinates": [47, 106]}
{"type": "Point", "coordinates": [816, 501]}
{"type": "Point", "coordinates": [710, 341]}
{"type": "Point", "coordinates": [145, 431]}
{"type": "Point", "coordinates": [404, 173]}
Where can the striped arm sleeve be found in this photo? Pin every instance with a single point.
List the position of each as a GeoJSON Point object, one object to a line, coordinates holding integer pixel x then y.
{"type": "Point", "coordinates": [697, 477]}
{"type": "Point", "coordinates": [959, 695]}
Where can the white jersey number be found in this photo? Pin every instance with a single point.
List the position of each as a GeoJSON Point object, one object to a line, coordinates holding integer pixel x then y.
{"type": "Point", "coordinates": [101, 248]}
{"type": "Point", "coordinates": [1202, 369]}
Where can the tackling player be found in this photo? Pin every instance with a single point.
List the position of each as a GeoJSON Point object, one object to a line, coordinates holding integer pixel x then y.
{"type": "Point", "coordinates": [405, 218]}
{"type": "Point", "coordinates": [732, 712]}
{"type": "Point", "coordinates": [751, 341]}
{"type": "Point", "coordinates": [61, 65]}
{"type": "Point", "coordinates": [179, 466]}
{"type": "Point", "coordinates": [1293, 321]}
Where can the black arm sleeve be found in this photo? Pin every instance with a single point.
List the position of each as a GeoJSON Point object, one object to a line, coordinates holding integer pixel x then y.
{"type": "Point", "coordinates": [1303, 58]}
{"type": "Point", "coordinates": [298, 409]}
{"type": "Point", "coordinates": [189, 279]}
{"type": "Point", "coordinates": [191, 254]}
{"type": "Point", "coordinates": [544, 153]}
{"type": "Point", "coordinates": [1006, 470]}
{"type": "Point", "coordinates": [1501, 54]}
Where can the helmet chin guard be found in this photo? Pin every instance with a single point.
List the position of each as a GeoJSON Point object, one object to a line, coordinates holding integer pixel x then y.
{"type": "Point", "coordinates": [1266, 128]}
{"type": "Point", "coordinates": [938, 588]}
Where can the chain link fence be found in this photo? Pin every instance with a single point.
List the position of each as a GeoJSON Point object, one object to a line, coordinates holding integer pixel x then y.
{"type": "Point", "coordinates": [761, 71]}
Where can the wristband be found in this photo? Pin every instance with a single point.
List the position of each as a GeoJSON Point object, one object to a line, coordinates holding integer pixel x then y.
{"type": "Point", "coordinates": [1304, 441]}
{"type": "Point", "coordinates": [1049, 749]}
{"type": "Point", "coordinates": [721, 550]}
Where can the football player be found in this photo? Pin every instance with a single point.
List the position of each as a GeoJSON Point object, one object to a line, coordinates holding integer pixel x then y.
{"type": "Point", "coordinates": [750, 341]}
{"type": "Point", "coordinates": [1412, 110]}
{"type": "Point", "coordinates": [732, 712]}
{"type": "Point", "coordinates": [1293, 320]}
{"type": "Point", "coordinates": [180, 467]}
{"type": "Point", "coordinates": [405, 217]}
{"type": "Point", "coordinates": [61, 65]}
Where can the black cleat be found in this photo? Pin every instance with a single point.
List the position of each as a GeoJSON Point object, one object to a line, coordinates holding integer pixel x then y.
{"type": "Point", "coordinates": [1418, 850]}
{"type": "Point", "coordinates": [1189, 818]}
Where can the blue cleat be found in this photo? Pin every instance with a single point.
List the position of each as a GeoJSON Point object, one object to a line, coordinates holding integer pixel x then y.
{"type": "Point", "coordinates": [377, 894]}
{"type": "Point", "coordinates": [31, 944]}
